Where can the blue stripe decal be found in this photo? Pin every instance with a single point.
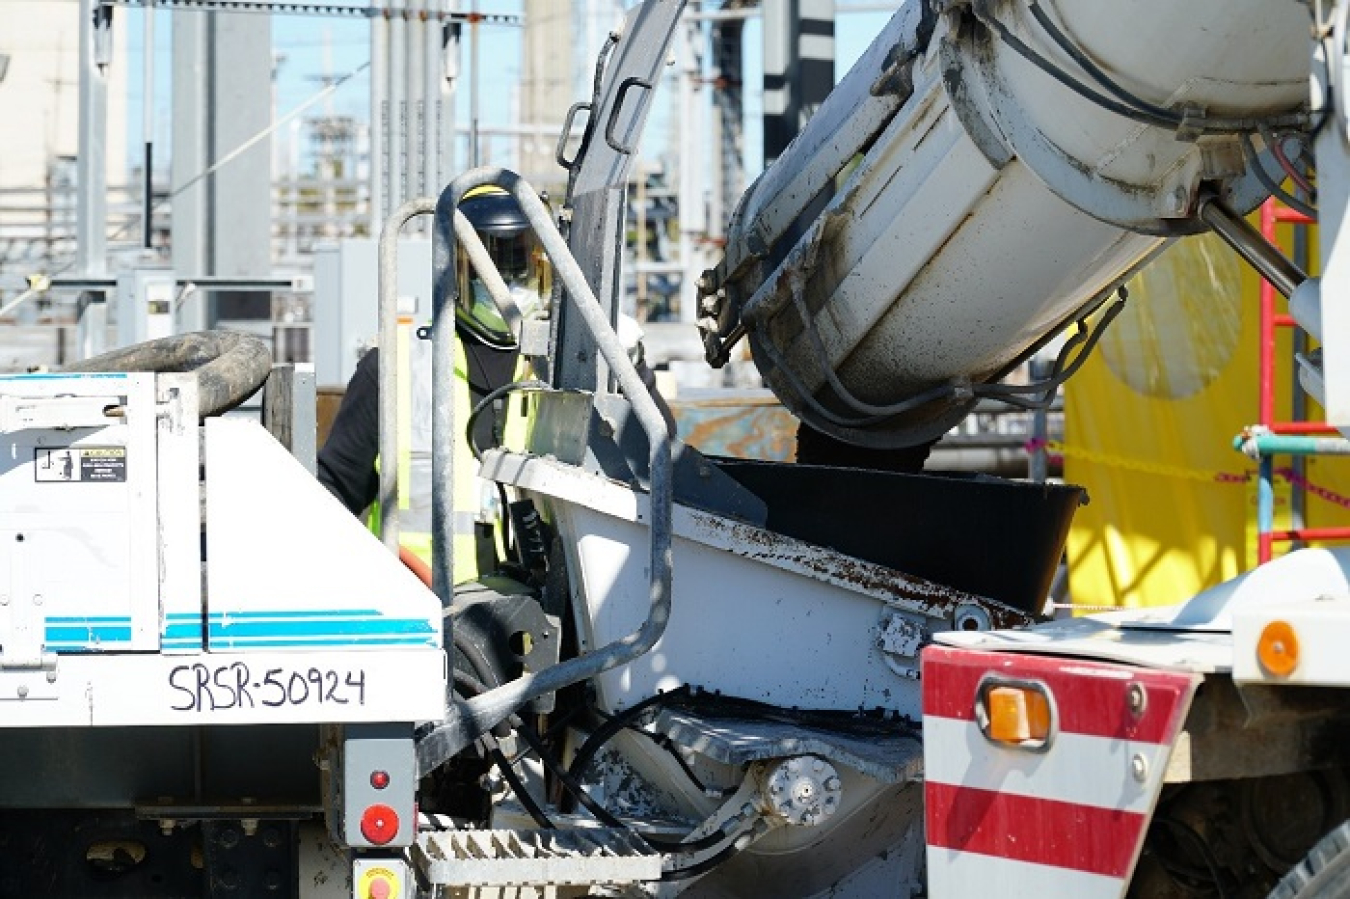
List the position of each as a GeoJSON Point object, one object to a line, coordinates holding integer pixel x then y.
{"type": "Point", "coordinates": [87, 634]}
{"type": "Point", "coordinates": [273, 629]}
{"type": "Point", "coordinates": [312, 642]}
{"type": "Point", "coordinates": [389, 626]}
{"type": "Point", "coordinates": [83, 632]}
{"type": "Point", "coordinates": [66, 376]}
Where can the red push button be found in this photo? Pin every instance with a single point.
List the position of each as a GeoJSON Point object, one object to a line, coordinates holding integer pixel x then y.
{"type": "Point", "coordinates": [379, 824]}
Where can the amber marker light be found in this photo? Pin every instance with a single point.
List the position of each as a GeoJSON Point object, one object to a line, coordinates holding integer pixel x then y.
{"type": "Point", "coordinates": [1015, 714]}
{"type": "Point", "coordinates": [1277, 648]}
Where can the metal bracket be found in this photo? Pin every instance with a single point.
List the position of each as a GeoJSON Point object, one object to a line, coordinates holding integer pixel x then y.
{"type": "Point", "coordinates": [56, 413]}
{"type": "Point", "coordinates": [900, 638]}
{"type": "Point", "coordinates": [20, 681]}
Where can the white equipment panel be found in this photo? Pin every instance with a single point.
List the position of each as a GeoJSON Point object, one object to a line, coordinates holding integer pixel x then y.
{"type": "Point", "coordinates": [103, 618]}
{"type": "Point", "coordinates": [80, 544]}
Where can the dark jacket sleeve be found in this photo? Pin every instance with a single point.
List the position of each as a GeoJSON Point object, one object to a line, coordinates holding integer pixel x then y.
{"type": "Point", "coordinates": [346, 464]}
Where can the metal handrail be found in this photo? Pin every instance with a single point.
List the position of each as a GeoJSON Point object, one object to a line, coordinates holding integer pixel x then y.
{"type": "Point", "coordinates": [468, 719]}
{"type": "Point", "coordinates": [388, 340]}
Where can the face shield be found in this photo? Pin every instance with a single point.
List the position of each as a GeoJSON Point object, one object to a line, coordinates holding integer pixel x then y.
{"type": "Point", "coordinates": [523, 266]}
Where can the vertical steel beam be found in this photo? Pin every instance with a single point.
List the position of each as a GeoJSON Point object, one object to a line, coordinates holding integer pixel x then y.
{"type": "Point", "coordinates": [190, 240]}
{"type": "Point", "coordinates": [91, 202]}
{"type": "Point", "coordinates": [694, 214]}
{"type": "Point", "coordinates": [379, 111]}
{"type": "Point", "coordinates": [798, 67]}
{"type": "Point", "coordinates": [148, 127]}
{"type": "Point", "coordinates": [431, 101]}
{"type": "Point", "coordinates": [729, 103]}
{"type": "Point", "coordinates": [416, 80]}
{"type": "Point", "coordinates": [449, 162]}
{"type": "Point", "coordinates": [395, 187]}
{"type": "Point", "coordinates": [240, 191]}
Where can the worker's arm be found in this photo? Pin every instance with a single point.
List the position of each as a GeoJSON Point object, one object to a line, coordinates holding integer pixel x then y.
{"type": "Point", "coordinates": [346, 464]}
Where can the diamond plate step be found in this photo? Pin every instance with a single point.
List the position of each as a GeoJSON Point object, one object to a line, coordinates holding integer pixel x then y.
{"type": "Point", "coordinates": [506, 858]}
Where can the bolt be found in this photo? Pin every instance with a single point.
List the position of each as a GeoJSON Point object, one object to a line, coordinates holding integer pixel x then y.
{"type": "Point", "coordinates": [229, 879]}
{"type": "Point", "coordinates": [250, 826]}
{"type": "Point", "coordinates": [4, 599]}
{"type": "Point", "coordinates": [833, 783]}
{"type": "Point", "coordinates": [166, 826]}
{"type": "Point", "coordinates": [271, 838]}
{"type": "Point", "coordinates": [1137, 699]}
{"type": "Point", "coordinates": [37, 599]}
{"type": "Point", "coordinates": [23, 691]}
{"type": "Point", "coordinates": [817, 765]}
{"type": "Point", "coordinates": [228, 837]}
{"type": "Point", "coordinates": [272, 880]}
{"type": "Point", "coordinates": [1139, 767]}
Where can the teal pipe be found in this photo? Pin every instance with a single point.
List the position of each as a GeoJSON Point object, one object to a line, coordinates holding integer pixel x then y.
{"type": "Point", "coordinates": [1291, 445]}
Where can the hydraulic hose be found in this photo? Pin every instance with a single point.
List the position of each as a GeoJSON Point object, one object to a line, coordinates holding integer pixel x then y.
{"type": "Point", "coordinates": [230, 366]}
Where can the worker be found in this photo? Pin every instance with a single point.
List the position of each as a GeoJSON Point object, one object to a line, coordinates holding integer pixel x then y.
{"type": "Point", "coordinates": [486, 358]}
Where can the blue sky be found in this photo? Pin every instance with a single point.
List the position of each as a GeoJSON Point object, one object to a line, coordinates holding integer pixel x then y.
{"type": "Point", "coordinates": [312, 48]}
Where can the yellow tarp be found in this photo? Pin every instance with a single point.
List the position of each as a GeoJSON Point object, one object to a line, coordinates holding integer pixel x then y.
{"type": "Point", "coordinates": [1149, 424]}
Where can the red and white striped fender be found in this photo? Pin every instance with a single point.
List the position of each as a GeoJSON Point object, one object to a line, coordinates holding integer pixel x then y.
{"type": "Point", "coordinates": [1064, 820]}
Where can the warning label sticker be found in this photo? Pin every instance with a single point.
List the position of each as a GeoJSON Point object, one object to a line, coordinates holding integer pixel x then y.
{"type": "Point", "coordinates": [60, 464]}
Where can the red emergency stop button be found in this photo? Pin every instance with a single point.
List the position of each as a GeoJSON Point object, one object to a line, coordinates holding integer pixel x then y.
{"type": "Point", "coordinates": [380, 888]}
{"type": "Point", "coordinates": [379, 824]}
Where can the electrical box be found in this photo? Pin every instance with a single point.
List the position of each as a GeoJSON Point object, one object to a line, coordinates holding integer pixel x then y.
{"type": "Point", "coordinates": [346, 301]}
{"type": "Point", "coordinates": [145, 300]}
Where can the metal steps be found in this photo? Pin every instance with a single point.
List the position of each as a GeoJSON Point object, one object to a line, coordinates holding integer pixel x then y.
{"type": "Point", "coordinates": [535, 858]}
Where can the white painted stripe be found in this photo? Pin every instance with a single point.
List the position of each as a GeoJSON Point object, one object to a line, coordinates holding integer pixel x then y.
{"type": "Point", "coordinates": [953, 874]}
{"type": "Point", "coordinates": [816, 46]}
{"type": "Point", "coordinates": [1085, 770]}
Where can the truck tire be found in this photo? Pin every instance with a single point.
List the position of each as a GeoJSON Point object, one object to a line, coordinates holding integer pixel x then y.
{"type": "Point", "coordinates": [1324, 873]}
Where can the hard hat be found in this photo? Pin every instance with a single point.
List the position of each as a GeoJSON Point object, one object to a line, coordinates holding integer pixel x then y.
{"type": "Point", "coordinates": [513, 246]}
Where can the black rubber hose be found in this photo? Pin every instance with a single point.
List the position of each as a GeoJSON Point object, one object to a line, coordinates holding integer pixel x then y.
{"type": "Point", "coordinates": [472, 686]}
{"type": "Point", "coordinates": [1269, 183]}
{"type": "Point", "coordinates": [605, 732]}
{"type": "Point", "coordinates": [703, 867]}
{"type": "Point", "coordinates": [573, 786]}
{"type": "Point", "coordinates": [521, 792]}
{"type": "Point", "coordinates": [230, 366]}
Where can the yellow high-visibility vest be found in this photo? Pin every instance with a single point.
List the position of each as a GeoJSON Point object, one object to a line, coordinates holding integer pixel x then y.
{"type": "Point", "coordinates": [414, 462]}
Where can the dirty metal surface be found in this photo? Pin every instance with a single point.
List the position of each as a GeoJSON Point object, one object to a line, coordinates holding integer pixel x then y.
{"type": "Point", "coordinates": [886, 751]}
{"type": "Point", "coordinates": [931, 525]}
{"type": "Point", "coordinates": [896, 588]}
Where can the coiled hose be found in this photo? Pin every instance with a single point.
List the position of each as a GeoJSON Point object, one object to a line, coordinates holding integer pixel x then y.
{"type": "Point", "coordinates": [230, 366]}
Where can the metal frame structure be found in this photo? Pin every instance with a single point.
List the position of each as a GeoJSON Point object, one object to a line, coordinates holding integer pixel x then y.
{"type": "Point", "coordinates": [1297, 437]}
